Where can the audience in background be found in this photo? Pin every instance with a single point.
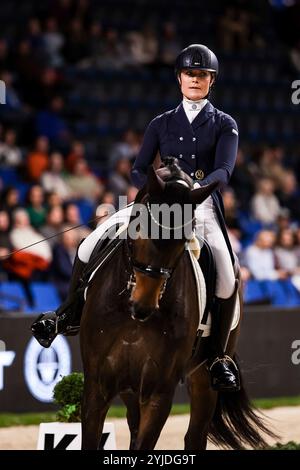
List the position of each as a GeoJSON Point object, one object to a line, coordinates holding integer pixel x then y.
{"type": "Point", "coordinates": [63, 257]}
{"type": "Point", "coordinates": [260, 258]}
{"type": "Point", "coordinates": [265, 205]}
{"type": "Point", "coordinates": [46, 144]}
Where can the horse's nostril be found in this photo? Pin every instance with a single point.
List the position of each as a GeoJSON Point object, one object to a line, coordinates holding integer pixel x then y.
{"type": "Point", "coordinates": [140, 313]}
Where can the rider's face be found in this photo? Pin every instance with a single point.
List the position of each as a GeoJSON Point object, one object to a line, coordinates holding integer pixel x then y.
{"type": "Point", "coordinates": [195, 84]}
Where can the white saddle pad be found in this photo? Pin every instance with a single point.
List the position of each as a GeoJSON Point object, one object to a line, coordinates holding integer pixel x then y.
{"type": "Point", "coordinates": [201, 293]}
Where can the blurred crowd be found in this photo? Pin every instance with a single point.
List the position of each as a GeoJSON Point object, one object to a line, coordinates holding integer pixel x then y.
{"type": "Point", "coordinates": [58, 192]}
{"type": "Point", "coordinates": [47, 184]}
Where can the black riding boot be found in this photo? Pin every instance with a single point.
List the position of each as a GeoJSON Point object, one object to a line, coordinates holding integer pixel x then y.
{"type": "Point", "coordinates": [66, 319]}
{"type": "Point", "coordinates": [223, 370]}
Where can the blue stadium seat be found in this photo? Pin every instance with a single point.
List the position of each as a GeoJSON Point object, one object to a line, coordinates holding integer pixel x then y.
{"type": "Point", "coordinates": [45, 297]}
{"type": "Point", "coordinates": [86, 209]}
{"type": "Point", "coordinates": [12, 296]}
{"type": "Point", "coordinates": [9, 176]}
{"type": "Point", "coordinates": [254, 292]}
{"type": "Point", "coordinates": [281, 293]}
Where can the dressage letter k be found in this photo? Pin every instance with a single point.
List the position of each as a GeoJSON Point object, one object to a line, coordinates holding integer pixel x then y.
{"type": "Point", "coordinates": [63, 443]}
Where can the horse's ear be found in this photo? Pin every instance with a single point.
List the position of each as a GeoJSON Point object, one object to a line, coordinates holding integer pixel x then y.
{"type": "Point", "coordinates": [200, 194]}
{"type": "Point", "coordinates": [155, 184]}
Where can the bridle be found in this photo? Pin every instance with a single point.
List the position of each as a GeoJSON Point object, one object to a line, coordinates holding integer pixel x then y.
{"type": "Point", "coordinates": [148, 269]}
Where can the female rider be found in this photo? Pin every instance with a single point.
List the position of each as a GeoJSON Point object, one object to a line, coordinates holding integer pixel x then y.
{"type": "Point", "coordinates": [205, 142]}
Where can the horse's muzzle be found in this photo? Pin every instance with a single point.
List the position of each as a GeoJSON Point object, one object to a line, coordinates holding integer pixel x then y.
{"type": "Point", "coordinates": [140, 313]}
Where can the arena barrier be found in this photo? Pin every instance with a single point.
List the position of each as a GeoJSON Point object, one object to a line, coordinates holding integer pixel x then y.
{"type": "Point", "coordinates": [269, 352]}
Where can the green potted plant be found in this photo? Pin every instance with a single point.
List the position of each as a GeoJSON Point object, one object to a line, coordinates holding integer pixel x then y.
{"type": "Point", "coordinates": [67, 393]}
{"type": "Point", "coordinates": [65, 434]}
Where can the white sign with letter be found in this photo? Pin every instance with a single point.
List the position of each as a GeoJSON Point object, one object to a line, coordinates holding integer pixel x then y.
{"type": "Point", "coordinates": [67, 436]}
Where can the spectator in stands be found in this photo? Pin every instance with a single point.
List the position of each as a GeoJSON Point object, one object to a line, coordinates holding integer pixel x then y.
{"type": "Point", "coordinates": [53, 41]}
{"type": "Point", "coordinates": [234, 29]}
{"type": "Point", "coordinates": [242, 180]}
{"type": "Point", "coordinates": [103, 212]}
{"type": "Point", "coordinates": [264, 204]}
{"type": "Point", "coordinates": [294, 54]}
{"type": "Point", "coordinates": [120, 178]}
{"type": "Point", "coordinates": [127, 147]}
{"type": "Point", "coordinates": [12, 99]}
{"type": "Point", "coordinates": [271, 165]}
{"type": "Point", "coordinates": [37, 161]}
{"type": "Point", "coordinates": [34, 35]}
{"type": "Point", "coordinates": [75, 48]}
{"type": "Point", "coordinates": [22, 234]}
{"type": "Point", "coordinates": [143, 46]}
{"type": "Point", "coordinates": [5, 244]}
{"type": "Point", "coordinates": [108, 198]}
{"type": "Point", "coordinates": [77, 153]}
{"type": "Point", "coordinates": [83, 184]}
{"type": "Point", "coordinates": [35, 206]}
{"type": "Point", "coordinates": [34, 260]}
{"type": "Point", "coordinates": [260, 258]}
{"type": "Point", "coordinates": [5, 56]}
{"type": "Point", "coordinates": [49, 86]}
{"type": "Point", "coordinates": [63, 257]}
{"type": "Point", "coordinates": [289, 195]}
{"type": "Point", "coordinates": [10, 200]}
{"type": "Point", "coordinates": [28, 66]}
{"type": "Point", "coordinates": [95, 46]}
{"type": "Point", "coordinates": [51, 124]}
{"type": "Point", "coordinates": [286, 255]}
{"type": "Point", "coordinates": [150, 45]}
{"type": "Point", "coordinates": [53, 200]}
{"type": "Point", "coordinates": [297, 245]}
{"type": "Point", "coordinates": [72, 218]}
{"type": "Point", "coordinates": [62, 11]}
{"type": "Point", "coordinates": [54, 224]}
{"type": "Point", "coordinates": [131, 194]}
{"type": "Point", "coordinates": [115, 55]}
{"type": "Point", "coordinates": [54, 178]}
{"type": "Point", "coordinates": [283, 220]}
{"type": "Point", "coordinates": [232, 219]}
{"type": "Point", "coordinates": [285, 252]}
{"type": "Point", "coordinates": [10, 153]}
{"type": "Point", "coordinates": [169, 45]}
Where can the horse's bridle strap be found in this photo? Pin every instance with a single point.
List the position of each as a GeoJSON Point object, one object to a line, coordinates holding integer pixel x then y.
{"type": "Point", "coordinates": [152, 271]}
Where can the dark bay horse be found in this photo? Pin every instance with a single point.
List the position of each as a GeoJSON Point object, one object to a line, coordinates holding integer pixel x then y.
{"type": "Point", "coordinates": [138, 329]}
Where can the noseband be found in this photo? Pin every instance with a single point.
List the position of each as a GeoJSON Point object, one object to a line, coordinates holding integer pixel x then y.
{"type": "Point", "coordinates": [152, 271]}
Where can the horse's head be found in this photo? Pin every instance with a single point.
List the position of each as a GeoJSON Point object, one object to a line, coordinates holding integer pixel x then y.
{"type": "Point", "coordinates": [166, 215]}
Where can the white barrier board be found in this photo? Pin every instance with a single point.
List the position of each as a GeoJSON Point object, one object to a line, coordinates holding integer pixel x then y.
{"type": "Point", "coordinates": [67, 436]}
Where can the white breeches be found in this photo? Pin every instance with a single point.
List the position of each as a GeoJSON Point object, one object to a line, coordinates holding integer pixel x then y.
{"type": "Point", "coordinates": [207, 226]}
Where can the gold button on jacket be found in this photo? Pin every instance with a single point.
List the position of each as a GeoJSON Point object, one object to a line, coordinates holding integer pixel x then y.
{"type": "Point", "coordinates": [199, 174]}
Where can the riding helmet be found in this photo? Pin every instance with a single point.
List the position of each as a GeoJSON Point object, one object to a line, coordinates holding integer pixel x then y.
{"type": "Point", "coordinates": [197, 56]}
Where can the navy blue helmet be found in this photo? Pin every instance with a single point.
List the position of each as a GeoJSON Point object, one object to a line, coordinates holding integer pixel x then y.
{"type": "Point", "coordinates": [197, 56]}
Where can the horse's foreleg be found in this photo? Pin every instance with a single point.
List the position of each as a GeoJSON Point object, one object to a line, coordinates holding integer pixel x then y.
{"type": "Point", "coordinates": [203, 403]}
{"type": "Point", "coordinates": [153, 415]}
{"type": "Point", "coordinates": [93, 412]}
{"type": "Point", "coordinates": [133, 415]}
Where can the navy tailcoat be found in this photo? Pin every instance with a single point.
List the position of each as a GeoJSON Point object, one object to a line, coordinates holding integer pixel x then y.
{"type": "Point", "coordinates": [206, 149]}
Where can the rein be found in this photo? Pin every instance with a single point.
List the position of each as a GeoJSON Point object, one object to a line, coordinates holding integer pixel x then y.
{"type": "Point", "coordinates": [3, 258]}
